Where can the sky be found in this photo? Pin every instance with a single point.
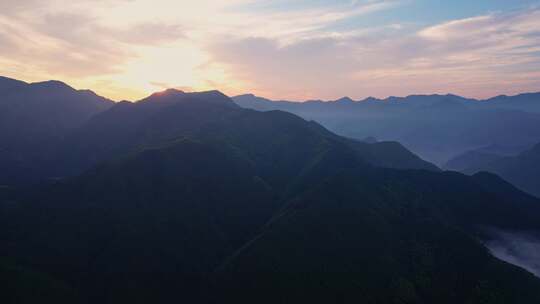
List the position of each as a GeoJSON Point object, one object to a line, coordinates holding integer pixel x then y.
{"type": "Point", "coordinates": [296, 50]}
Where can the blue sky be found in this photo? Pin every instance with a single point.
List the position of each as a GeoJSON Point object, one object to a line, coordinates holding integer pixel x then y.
{"type": "Point", "coordinates": [433, 11]}
{"type": "Point", "coordinates": [424, 11]}
{"type": "Point", "coordinates": [126, 49]}
{"type": "Point", "coordinates": [419, 12]}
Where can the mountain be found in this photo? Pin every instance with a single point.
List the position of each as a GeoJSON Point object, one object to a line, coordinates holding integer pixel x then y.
{"type": "Point", "coordinates": [158, 219]}
{"type": "Point", "coordinates": [352, 243]}
{"type": "Point", "coordinates": [8, 83]}
{"type": "Point", "coordinates": [171, 114]}
{"type": "Point", "coordinates": [45, 109]}
{"type": "Point", "coordinates": [190, 219]}
{"type": "Point", "coordinates": [528, 102]}
{"type": "Point", "coordinates": [370, 140]}
{"type": "Point", "coordinates": [472, 158]}
{"type": "Point", "coordinates": [20, 285]}
{"type": "Point", "coordinates": [191, 198]}
{"type": "Point", "coordinates": [479, 157]}
{"type": "Point", "coordinates": [436, 127]}
{"type": "Point", "coordinates": [521, 170]}
{"type": "Point", "coordinates": [34, 116]}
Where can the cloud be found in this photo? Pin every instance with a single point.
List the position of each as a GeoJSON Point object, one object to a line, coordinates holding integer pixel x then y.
{"type": "Point", "coordinates": [282, 49]}
{"type": "Point", "coordinates": [147, 33]}
{"type": "Point", "coordinates": [65, 53]}
{"type": "Point", "coordinates": [292, 69]}
{"type": "Point", "coordinates": [308, 21]}
{"type": "Point", "coordinates": [75, 44]}
{"type": "Point", "coordinates": [14, 7]}
{"type": "Point", "coordinates": [470, 56]}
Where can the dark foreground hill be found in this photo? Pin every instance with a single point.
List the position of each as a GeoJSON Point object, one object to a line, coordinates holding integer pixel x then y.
{"type": "Point", "coordinates": [368, 237]}
{"type": "Point", "coordinates": [194, 222]}
{"type": "Point", "coordinates": [190, 198]}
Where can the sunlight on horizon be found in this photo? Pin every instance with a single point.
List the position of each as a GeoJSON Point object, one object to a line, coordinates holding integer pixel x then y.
{"type": "Point", "coordinates": [277, 49]}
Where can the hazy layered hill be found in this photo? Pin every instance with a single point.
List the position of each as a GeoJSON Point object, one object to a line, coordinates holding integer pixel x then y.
{"type": "Point", "coordinates": [44, 109]}
{"type": "Point", "coordinates": [182, 195]}
{"type": "Point", "coordinates": [471, 159]}
{"type": "Point", "coordinates": [50, 130]}
{"type": "Point", "coordinates": [33, 116]}
{"type": "Point", "coordinates": [436, 127]}
{"type": "Point", "coordinates": [528, 102]}
{"type": "Point", "coordinates": [481, 156]}
{"type": "Point", "coordinates": [171, 114]}
{"type": "Point", "coordinates": [522, 170]}
{"type": "Point", "coordinates": [188, 192]}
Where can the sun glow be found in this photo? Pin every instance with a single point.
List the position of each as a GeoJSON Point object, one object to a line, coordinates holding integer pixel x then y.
{"type": "Point", "coordinates": [129, 49]}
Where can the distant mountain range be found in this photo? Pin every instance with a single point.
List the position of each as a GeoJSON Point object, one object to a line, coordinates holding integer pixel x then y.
{"type": "Point", "coordinates": [189, 197]}
{"type": "Point", "coordinates": [436, 127]}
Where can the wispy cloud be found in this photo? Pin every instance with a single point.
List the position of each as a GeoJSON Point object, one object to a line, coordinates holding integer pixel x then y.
{"type": "Point", "coordinates": [282, 49]}
{"type": "Point", "coordinates": [471, 56]}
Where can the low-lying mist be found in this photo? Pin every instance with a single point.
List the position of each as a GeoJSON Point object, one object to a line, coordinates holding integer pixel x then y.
{"type": "Point", "coordinates": [518, 248]}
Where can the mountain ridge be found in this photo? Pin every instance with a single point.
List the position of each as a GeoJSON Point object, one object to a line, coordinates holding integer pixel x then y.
{"type": "Point", "coordinates": [396, 98]}
{"type": "Point", "coordinates": [116, 128]}
{"type": "Point", "coordinates": [436, 127]}
{"type": "Point", "coordinates": [192, 197]}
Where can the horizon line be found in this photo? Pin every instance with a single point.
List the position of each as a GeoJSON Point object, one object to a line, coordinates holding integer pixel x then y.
{"type": "Point", "coordinates": [272, 99]}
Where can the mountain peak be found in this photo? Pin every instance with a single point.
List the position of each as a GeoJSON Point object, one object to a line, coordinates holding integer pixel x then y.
{"type": "Point", "coordinates": [211, 93]}
{"type": "Point", "coordinates": [52, 84]}
{"type": "Point", "coordinates": [345, 99]}
{"type": "Point", "coordinates": [371, 99]}
{"type": "Point", "coordinates": [173, 95]}
{"type": "Point", "coordinates": [169, 92]}
{"type": "Point", "coordinates": [245, 95]}
{"type": "Point", "coordinates": [214, 97]}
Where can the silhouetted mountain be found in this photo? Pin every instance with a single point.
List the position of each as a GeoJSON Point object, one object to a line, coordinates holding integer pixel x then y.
{"type": "Point", "coordinates": [192, 193]}
{"type": "Point", "coordinates": [191, 198]}
{"type": "Point", "coordinates": [53, 131]}
{"type": "Point", "coordinates": [344, 100]}
{"type": "Point", "coordinates": [172, 114]}
{"type": "Point", "coordinates": [191, 219]}
{"type": "Point", "coordinates": [34, 116]}
{"type": "Point", "coordinates": [436, 127]}
{"type": "Point", "coordinates": [8, 83]}
{"type": "Point", "coordinates": [522, 170]}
